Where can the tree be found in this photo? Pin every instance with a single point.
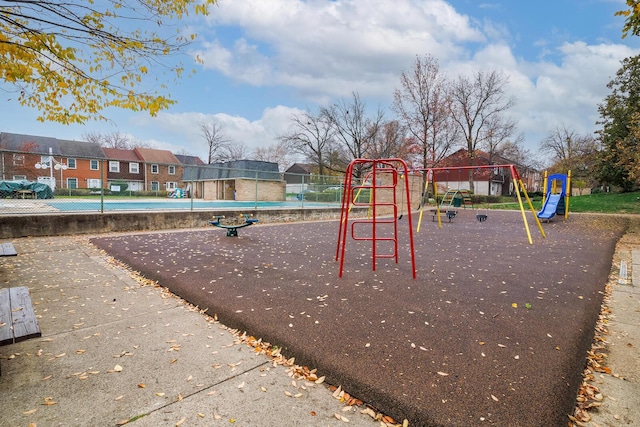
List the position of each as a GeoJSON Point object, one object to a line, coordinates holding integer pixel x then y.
{"type": "Point", "coordinates": [111, 140]}
{"type": "Point", "coordinates": [570, 151]}
{"type": "Point", "coordinates": [478, 105]}
{"type": "Point", "coordinates": [115, 140]}
{"type": "Point", "coordinates": [632, 23]}
{"type": "Point", "coordinates": [354, 131]}
{"type": "Point", "coordinates": [218, 144]}
{"type": "Point", "coordinates": [390, 142]}
{"type": "Point", "coordinates": [276, 153]}
{"type": "Point", "coordinates": [514, 152]}
{"type": "Point", "coordinates": [311, 136]}
{"type": "Point", "coordinates": [71, 60]}
{"type": "Point", "coordinates": [619, 120]}
{"type": "Point", "coordinates": [423, 104]}
{"type": "Point", "coordinates": [499, 131]}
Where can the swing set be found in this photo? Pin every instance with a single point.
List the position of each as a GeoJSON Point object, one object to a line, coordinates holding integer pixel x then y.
{"type": "Point", "coordinates": [481, 217]}
{"type": "Point", "coordinates": [383, 197]}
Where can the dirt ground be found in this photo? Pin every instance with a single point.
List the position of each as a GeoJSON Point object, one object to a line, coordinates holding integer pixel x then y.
{"type": "Point", "coordinates": [493, 331]}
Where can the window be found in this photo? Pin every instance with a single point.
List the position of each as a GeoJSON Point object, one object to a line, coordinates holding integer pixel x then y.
{"type": "Point", "coordinates": [154, 168]}
{"type": "Point", "coordinates": [114, 166]}
{"type": "Point", "coordinates": [94, 166]}
{"type": "Point", "coordinates": [18, 160]}
{"type": "Point", "coordinates": [44, 160]}
{"type": "Point", "coordinates": [172, 170]}
{"type": "Point", "coordinates": [19, 177]}
{"type": "Point", "coordinates": [134, 167]}
{"type": "Point", "coordinates": [155, 185]}
{"type": "Point", "coordinates": [171, 185]}
{"type": "Point", "coordinates": [71, 163]}
{"type": "Point", "coordinates": [94, 183]}
{"type": "Point", "coordinates": [72, 183]}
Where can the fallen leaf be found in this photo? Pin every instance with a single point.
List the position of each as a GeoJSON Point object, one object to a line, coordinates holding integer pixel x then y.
{"type": "Point", "coordinates": [320, 380]}
{"type": "Point", "coordinates": [117, 368]}
{"type": "Point", "coordinates": [494, 398]}
{"type": "Point", "coordinates": [179, 423]}
{"type": "Point", "coordinates": [444, 374]}
{"type": "Point", "coordinates": [119, 397]}
{"type": "Point", "coordinates": [141, 385]}
{"type": "Point", "coordinates": [30, 412]}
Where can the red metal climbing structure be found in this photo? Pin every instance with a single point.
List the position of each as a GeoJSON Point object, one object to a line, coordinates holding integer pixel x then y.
{"type": "Point", "coordinates": [376, 187]}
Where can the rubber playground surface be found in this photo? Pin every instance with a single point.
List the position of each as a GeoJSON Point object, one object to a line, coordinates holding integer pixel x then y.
{"type": "Point", "coordinates": [493, 331]}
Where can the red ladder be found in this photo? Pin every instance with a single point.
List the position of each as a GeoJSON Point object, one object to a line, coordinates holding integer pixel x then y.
{"type": "Point", "coordinates": [374, 185]}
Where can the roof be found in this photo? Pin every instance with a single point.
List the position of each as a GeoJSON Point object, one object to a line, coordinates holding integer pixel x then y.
{"type": "Point", "coordinates": [120, 154]}
{"type": "Point", "coordinates": [189, 160]}
{"type": "Point", "coordinates": [41, 145]}
{"type": "Point", "coordinates": [151, 155]}
{"type": "Point", "coordinates": [81, 149]}
{"type": "Point", "coordinates": [253, 169]}
{"type": "Point", "coordinates": [301, 168]}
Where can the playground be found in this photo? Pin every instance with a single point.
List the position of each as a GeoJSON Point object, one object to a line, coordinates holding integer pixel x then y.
{"type": "Point", "coordinates": [493, 330]}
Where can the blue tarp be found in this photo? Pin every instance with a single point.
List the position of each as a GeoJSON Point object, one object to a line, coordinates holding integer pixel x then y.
{"type": "Point", "coordinates": [10, 189]}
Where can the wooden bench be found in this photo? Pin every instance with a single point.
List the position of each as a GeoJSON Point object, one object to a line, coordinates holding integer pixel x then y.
{"type": "Point", "coordinates": [7, 249]}
{"type": "Point", "coordinates": [17, 317]}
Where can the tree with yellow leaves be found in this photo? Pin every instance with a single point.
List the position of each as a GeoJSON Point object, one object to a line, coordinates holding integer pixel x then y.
{"type": "Point", "coordinates": [71, 60]}
{"type": "Point", "coordinates": [632, 23]}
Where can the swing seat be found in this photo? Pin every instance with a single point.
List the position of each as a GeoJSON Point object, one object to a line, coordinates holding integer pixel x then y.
{"type": "Point", "coordinates": [481, 217]}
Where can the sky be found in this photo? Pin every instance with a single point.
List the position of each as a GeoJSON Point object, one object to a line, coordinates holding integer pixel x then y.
{"type": "Point", "coordinates": [267, 61]}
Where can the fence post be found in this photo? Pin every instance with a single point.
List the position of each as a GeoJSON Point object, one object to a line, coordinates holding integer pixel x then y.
{"type": "Point", "coordinates": [102, 183]}
{"type": "Point", "coordinates": [256, 195]}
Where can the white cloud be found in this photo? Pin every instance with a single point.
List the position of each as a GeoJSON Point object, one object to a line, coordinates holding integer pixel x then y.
{"type": "Point", "coordinates": [183, 129]}
{"type": "Point", "coordinates": [332, 47]}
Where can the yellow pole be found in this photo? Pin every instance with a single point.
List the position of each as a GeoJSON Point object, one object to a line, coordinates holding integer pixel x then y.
{"type": "Point", "coordinates": [544, 187]}
{"type": "Point", "coordinates": [435, 195]}
{"type": "Point", "coordinates": [524, 217]}
{"type": "Point", "coordinates": [426, 188]}
{"type": "Point", "coordinates": [567, 195]}
{"type": "Point", "coordinates": [533, 211]}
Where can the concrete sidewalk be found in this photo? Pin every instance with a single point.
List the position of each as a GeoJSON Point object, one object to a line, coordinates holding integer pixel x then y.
{"type": "Point", "coordinates": [620, 388]}
{"type": "Point", "coordinates": [114, 351]}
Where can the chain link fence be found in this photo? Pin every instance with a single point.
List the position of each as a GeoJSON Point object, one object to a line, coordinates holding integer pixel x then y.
{"type": "Point", "coordinates": [161, 187]}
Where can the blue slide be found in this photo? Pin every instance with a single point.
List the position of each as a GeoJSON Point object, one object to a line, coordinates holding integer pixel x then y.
{"type": "Point", "coordinates": [550, 206]}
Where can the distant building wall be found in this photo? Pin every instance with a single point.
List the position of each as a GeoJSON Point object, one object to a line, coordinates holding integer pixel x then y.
{"type": "Point", "coordinates": [268, 191]}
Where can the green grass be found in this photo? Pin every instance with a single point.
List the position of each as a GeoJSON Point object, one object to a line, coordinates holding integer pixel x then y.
{"type": "Point", "coordinates": [628, 203]}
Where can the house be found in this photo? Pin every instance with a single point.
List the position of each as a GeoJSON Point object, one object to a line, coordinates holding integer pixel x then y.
{"type": "Point", "coordinates": [243, 180]}
{"type": "Point", "coordinates": [487, 181]}
{"type": "Point", "coordinates": [299, 173]}
{"type": "Point", "coordinates": [67, 164]}
{"type": "Point", "coordinates": [161, 170]}
{"type": "Point", "coordinates": [125, 171]}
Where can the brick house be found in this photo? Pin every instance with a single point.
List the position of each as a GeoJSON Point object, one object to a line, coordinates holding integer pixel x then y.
{"type": "Point", "coordinates": [487, 181]}
{"type": "Point", "coordinates": [124, 166]}
{"type": "Point", "coordinates": [83, 161]}
{"type": "Point", "coordinates": [162, 171]}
